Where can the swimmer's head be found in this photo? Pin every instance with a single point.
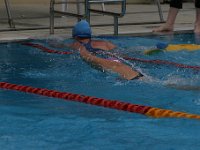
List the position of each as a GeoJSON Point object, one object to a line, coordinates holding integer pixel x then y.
{"type": "Point", "coordinates": [82, 30]}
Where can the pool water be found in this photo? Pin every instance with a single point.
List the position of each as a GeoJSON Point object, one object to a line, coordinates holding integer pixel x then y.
{"type": "Point", "coordinates": [31, 121]}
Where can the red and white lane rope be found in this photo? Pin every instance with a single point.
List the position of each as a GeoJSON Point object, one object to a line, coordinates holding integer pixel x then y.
{"type": "Point", "coordinates": [114, 104]}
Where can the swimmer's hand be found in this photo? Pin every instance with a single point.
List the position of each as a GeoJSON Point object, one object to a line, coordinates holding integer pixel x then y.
{"type": "Point", "coordinates": [138, 76]}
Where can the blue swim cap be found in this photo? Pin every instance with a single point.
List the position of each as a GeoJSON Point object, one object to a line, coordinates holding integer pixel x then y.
{"type": "Point", "coordinates": [161, 45]}
{"type": "Point", "coordinates": [82, 29]}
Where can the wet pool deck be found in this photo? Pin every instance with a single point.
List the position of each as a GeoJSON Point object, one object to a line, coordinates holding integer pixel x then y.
{"type": "Point", "coordinates": [31, 16]}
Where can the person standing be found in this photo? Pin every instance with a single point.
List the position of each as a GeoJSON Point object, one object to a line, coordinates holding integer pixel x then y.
{"type": "Point", "coordinates": [175, 6]}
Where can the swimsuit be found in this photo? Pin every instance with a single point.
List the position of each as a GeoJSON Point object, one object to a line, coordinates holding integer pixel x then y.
{"type": "Point", "coordinates": [98, 51]}
{"type": "Point", "coordinates": [89, 47]}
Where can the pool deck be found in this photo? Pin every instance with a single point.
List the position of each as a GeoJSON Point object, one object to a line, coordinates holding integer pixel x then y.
{"type": "Point", "coordinates": [134, 22]}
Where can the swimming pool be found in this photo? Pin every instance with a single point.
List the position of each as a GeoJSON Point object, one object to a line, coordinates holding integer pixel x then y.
{"type": "Point", "coordinates": [31, 121]}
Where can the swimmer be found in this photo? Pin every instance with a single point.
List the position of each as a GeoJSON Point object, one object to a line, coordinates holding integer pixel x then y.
{"type": "Point", "coordinates": [94, 52]}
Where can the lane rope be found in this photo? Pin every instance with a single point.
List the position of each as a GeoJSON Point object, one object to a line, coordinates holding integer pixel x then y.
{"type": "Point", "coordinates": [165, 62]}
{"type": "Point", "coordinates": [114, 104]}
{"type": "Point", "coordinates": [45, 49]}
{"type": "Point", "coordinates": [156, 61]}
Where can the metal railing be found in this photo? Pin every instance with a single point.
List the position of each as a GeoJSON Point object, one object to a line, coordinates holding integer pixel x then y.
{"type": "Point", "coordinates": [8, 10]}
{"type": "Point", "coordinates": [86, 15]}
{"type": "Point", "coordinates": [115, 15]}
{"type": "Point", "coordinates": [159, 10]}
{"type": "Point", "coordinates": [53, 12]}
{"type": "Point", "coordinates": [88, 10]}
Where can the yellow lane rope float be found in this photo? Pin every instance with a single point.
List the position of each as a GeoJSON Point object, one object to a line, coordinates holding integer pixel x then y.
{"type": "Point", "coordinates": [178, 47]}
{"type": "Point", "coordinates": [162, 46]}
{"type": "Point", "coordinates": [164, 113]}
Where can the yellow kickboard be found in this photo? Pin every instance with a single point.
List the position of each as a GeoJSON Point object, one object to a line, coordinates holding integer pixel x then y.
{"type": "Point", "coordinates": [178, 47]}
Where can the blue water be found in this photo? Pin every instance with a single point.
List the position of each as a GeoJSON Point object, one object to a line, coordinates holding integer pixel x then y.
{"type": "Point", "coordinates": [30, 121]}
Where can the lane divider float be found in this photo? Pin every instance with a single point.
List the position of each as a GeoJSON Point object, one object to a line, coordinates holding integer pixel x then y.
{"type": "Point", "coordinates": [156, 61]}
{"type": "Point", "coordinates": [163, 46]}
{"type": "Point", "coordinates": [163, 62]}
{"type": "Point", "coordinates": [114, 104]}
{"type": "Point", "coordinates": [45, 49]}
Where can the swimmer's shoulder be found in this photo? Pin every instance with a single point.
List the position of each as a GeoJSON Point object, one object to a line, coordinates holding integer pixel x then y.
{"type": "Point", "coordinates": [74, 45]}
{"type": "Point", "coordinates": [104, 45]}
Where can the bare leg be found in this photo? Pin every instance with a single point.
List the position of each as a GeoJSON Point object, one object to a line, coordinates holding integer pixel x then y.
{"type": "Point", "coordinates": [169, 25]}
{"type": "Point", "coordinates": [197, 22]}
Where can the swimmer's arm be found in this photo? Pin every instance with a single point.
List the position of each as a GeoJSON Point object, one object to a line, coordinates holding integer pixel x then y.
{"type": "Point", "coordinates": [111, 45]}
{"type": "Point", "coordinates": [87, 56]}
{"type": "Point", "coordinates": [123, 70]}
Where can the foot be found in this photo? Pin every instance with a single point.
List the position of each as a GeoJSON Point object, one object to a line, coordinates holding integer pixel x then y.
{"type": "Point", "coordinates": [197, 28]}
{"type": "Point", "coordinates": [164, 28]}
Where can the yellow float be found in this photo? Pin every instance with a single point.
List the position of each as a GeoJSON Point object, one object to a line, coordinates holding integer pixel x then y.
{"type": "Point", "coordinates": [161, 46]}
{"type": "Point", "coordinates": [178, 47]}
